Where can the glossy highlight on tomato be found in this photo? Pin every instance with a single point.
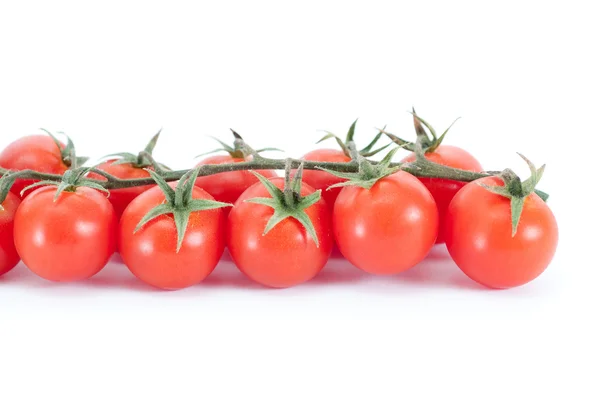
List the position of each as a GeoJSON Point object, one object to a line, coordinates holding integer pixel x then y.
{"type": "Point", "coordinates": [478, 236]}
{"type": "Point", "coordinates": [228, 186]}
{"type": "Point", "coordinates": [388, 228]}
{"type": "Point", "coordinates": [8, 253]}
{"type": "Point", "coordinates": [151, 253]}
{"type": "Point", "coordinates": [67, 239]}
{"type": "Point", "coordinates": [286, 255]}
{"type": "Point", "coordinates": [32, 152]}
{"type": "Point", "coordinates": [444, 190]}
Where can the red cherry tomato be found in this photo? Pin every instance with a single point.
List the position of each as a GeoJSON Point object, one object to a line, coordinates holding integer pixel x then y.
{"type": "Point", "coordinates": [33, 152]}
{"type": "Point", "coordinates": [386, 229]}
{"type": "Point", "coordinates": [151, 254]}
{"type": "Point", "coordinates": [120, 198]}
{"type": "Point", "coordinates": [286, 255]}
{"type": "Point", "coordinates": [444, 190]}
{"type": "Point", "coordinates": [322, 179]}
{"type": "Point", "coordinates": [227, 187]}
{"type": "Point", "coordinates": [8, 254]}
{"type": "Point", "coordinates": [478, 236]}
{"type": "Point", "coordinates": [66, 240]}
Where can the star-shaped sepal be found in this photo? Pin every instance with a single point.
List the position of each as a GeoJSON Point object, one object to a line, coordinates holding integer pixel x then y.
{"type": "Point", "coordinates": [179, 202]}
{"type": "Point", "coordinates": [288, 202]}
{"type": "Point", "coordinates": [516, 190]}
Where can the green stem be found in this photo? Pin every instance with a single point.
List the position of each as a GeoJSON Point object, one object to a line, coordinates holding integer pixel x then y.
{"type": "Point", "coordinates": [420, 168]}
{"type": "Point", "coordinates": [288, 192]}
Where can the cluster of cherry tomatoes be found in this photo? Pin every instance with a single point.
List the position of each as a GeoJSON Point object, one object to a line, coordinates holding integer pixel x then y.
{"type": "Point", "coordinates": [385, 228]}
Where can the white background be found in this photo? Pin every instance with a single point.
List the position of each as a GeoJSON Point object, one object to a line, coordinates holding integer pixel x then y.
{"type": "Point", "coordinates": [523, 76]}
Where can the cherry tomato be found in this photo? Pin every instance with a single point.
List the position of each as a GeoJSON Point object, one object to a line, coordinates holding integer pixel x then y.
{"type": "Point", "coordinates": [227, 187]}
{"type": "Point", "coordinates": [120, 198]}
{"type": "Point", "coordinates": [286, 255]}
{"type": "Point", "coordinates": [386, 229]}
{"type": "Point", "coordinates": [444, 190]}
{"type": "Point", "coordinates": [66, 240]}
{"type": "Point", "coordinates": [478, 236]}
{"type": "Point", "coordinates": [322, 179]}
{"type": "Point", "coordinates": [33, 152]}
{"type": "Point", "coordinates": [151, 254]}
{"type": "Point", "coordinates": [8, 254]}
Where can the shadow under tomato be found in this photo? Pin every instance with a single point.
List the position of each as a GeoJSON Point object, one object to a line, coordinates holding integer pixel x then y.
{"type": "Point", "coordinates": [339, 271]}
{"type": "Point", "coordinates": [438, 270]}
{"type": "Point", "coordinates": [227, 275]}
{"type": "Point", "coordinates": [114, 275]}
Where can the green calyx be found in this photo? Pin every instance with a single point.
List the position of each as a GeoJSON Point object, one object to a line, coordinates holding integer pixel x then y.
{"type": "Point", "coordinates": [288, 202]}
{"type": "Point", "coordinates": [368, 173]}
{"type": "Point", "coordinates": [366, 152]}
{"type": "Point", "coordinates": [143, 159]}
{"type": "Point", "coordinates": [516, 190]}
{"type": "Point", "coordinates": [428, 142]}
{"type": "Point", "coordinates": [71, 180]}
{"type": "Point", "coordinates": [239, 150]}
{"type": "Point", "coordinates": [67, 154]}
{"type": "Point", "coordinates": [179, 202]}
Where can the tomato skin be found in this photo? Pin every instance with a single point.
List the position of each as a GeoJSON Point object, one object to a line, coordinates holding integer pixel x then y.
{"type": "Point", "coordinates": [33, 152]}
{"type": "Point", "coordinates": [8, 253]}
{"type": "Point", "coordinates": [322, 179]}
{"type": "Point", "coordinates": [150, 253]}
{"type": "Point", "coordinates": [386, 229]}
{"type": "Point", "coordinates": [444, 190]}
{"type": "Point", "coordinates": [227, 187]}
{"type": "Point", "coordinates": [286, 255]}
{"type": "Point", "coordinates": [66, 240]}
{"type": "Point", "coordinates": [478, 236]}
{"type": "Point", "coordinates": [120, 198]}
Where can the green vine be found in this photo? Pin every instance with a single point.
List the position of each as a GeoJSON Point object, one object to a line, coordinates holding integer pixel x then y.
{"type": "Point", "coordinates": [421, 167]}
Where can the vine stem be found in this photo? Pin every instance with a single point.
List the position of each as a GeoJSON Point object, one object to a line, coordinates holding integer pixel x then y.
{"type": "Point", "coordinates": [288, 193]}
{"type": "Point", "coordinates": [420, 168]}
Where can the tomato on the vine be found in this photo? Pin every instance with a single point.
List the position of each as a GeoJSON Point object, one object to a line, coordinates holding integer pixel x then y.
{"type": "Point", "coordinates": [479, 239]}
{"type": "Point", "coordinates": [443, 190]}
{"type": "Point", "coordinates": [65, 237]}
{"type": "Point", "coordinates": [171, 243]}
{"type": "Point", "coordinates": [8, 253]}
{"type": "Point", "coordinates": [127, 166]}
{"type": "Point", "coordinates": [33, 152]}
{"type": "Point", "coordinates": [278, 243]}
{"type": "Point", "coordinates": [387, 228]}
{"type": "Point", "coordinates": [228, 186]}
{"type": "Point", "coordinates": [321, 179]}
{"type": "Point", "coordinates": [120, 198]}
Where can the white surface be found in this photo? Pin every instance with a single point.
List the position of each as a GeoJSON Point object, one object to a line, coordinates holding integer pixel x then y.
{"type": "Point", "coordinates": [523, 75]}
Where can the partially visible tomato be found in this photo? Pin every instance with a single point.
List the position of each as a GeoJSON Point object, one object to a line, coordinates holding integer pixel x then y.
{"type": "Point", "coordinates": [227, 187]}
{"type": "Point", "coordinates": [67, 239]}
{"type": "Point", "coordinates": [388, 228]}
{"type": "Point", "coordinates": [151, 253]}
{"type": "Point", "coordinates": [8, 254]}
{"type": "Point", "coordinates": [120, 198]}
{"type": "Point", "coordinates": [444, 190]}
{"type": "Point", "coordinates": [478, 236]}
{"type": "Point", "coordinates": [33, 152]}
{"type": "Point", "coordinates": [286, 255]}
{"type": "Point", "coordinates": [322, 179]}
